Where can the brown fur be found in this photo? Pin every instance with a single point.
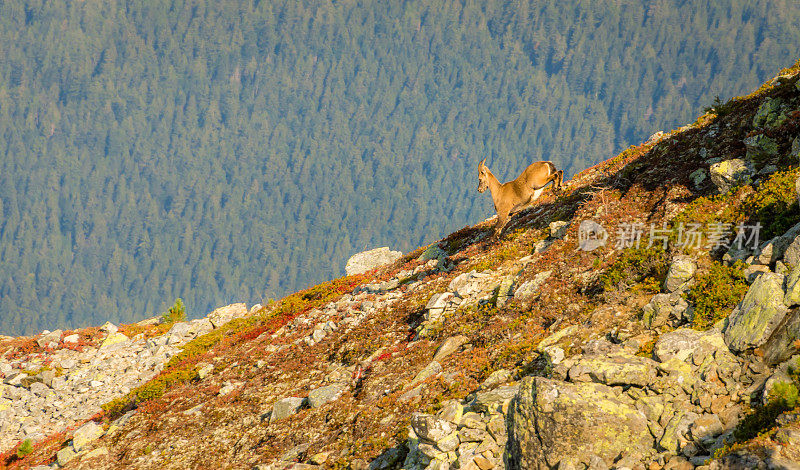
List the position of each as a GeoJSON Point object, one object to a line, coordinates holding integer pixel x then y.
{"type": "Point", "coordinates": [520, 193]}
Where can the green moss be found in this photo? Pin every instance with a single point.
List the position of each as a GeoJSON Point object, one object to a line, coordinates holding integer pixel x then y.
{"type": "Point", "coordinates": [715, 292]}
{"type": "Point", "coordinates": [645, 267]}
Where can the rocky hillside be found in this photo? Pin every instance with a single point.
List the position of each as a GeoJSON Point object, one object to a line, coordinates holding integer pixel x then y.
{"type": "Point", "coordinates": [645, 317]}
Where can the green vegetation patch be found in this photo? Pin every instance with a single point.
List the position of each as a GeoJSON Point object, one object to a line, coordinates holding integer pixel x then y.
{"type": "Point", "coordinates": [715, 292]}
{"type": "Point", "coordinates": [774, 204]}
{"type": "Point", "coordinates": [645, 267]}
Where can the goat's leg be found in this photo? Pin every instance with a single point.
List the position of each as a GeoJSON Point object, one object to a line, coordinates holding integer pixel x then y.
{"type": "Point", "coordinates": [502, 220]}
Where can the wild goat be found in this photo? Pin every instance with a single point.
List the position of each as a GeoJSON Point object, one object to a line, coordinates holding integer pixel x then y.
{"type": "Point", "coordinates": [519, 193]}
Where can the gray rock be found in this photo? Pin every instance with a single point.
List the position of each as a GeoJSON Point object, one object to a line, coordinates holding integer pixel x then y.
{"type": "Point", "coordinates": [74, 338]}
{"type": "Point", "coordinates": [769, 113]}
{"type": "Point", "coordinates": [754, 320]}
{"type": "Point", "coordinates": [227, 313]}
{"type": "Point", "coordinates": [555, 421]}
{"type": "Point", "coordinates": [485, 400]}
{"type": "Point", "coordinates": [449, 346]}
{"type": "Point", "coordinates": [680, 274]}
{"type": "Point", "coordinates": [530, 288]}
{"type": "Point", "coordinates": [434, 368]}
{"type": "Point", "coordinates": [698, 177]}
{"type": "Point", "coordinates": [368, 260]}
{"type": "Point", "coordinates": [87, 434]}
{"type": "Point", "coordinates": [791, 255]}
{"type": "Point", "coordinates": [760, 147]}
{"type": "Point", "coordinates": [286, 407]}
{"type": "Point", "coordinates": [785, 341]}
{"type": "Point", "coordinates": [50, 337]}
{"type": "Point", "coordinates": [323, 395]}
{"type": "Point", "coordinates": [687, 344]}
{"type": "Point", "coordinates": [65, 455]}
{"type": "Point", "coordinates": [558, 229]}
{"type": "Point", "coordinates": [729, 173]}
{"type": "Point", "coordinates": [440, 304]}
{"type": "Point", "coordinates": [431, 428]}
{"type": "Point", "coordinates": [665, 307]}
{"type": "Point", "coordinates": [614, 370]}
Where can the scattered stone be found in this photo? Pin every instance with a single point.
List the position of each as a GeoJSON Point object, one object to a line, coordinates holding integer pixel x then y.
{"type": "Point", "coordinates": [327, 394]}
{"type": "Point", "coordinates": [530, 289]}
{"type": "Point", "coordinates": [434, 368]}
{"type": "Point", "coordinates": [698, 177]}
{"type": "Point", "coordinates": [449, 346]}
{"type": "Point", "coordinates": [558, 229]}
{"type": "Point", "coordinates": [664, 308]}
{"type": "Point", "coordinates": [368, 260]}
{"type": "Point", "coordinates": [286, 407]}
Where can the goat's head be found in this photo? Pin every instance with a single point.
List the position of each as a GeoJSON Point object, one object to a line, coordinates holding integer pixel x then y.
{"type": "Point", "coordinates": [483, 176]}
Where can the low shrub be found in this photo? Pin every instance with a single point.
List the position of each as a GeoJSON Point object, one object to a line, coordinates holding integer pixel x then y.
{"type": "Point", "coordinates": [175, 313]}
{"type": "Point", "coordinates": [644, 266]}
{"type": "Point", "coordinates": [715, 293]}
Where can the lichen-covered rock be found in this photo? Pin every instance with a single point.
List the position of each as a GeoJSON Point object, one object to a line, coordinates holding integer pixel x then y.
{"type": "Point", "coordinates": [729, 173]}
{"type": "Point", "coordinates": [663, 308]}
{"type": "Point", "coordinates": [554, 423]}
{"type": "Point", "coordinates": [322, 395]}
{"type": "Point", "coordinates": [614, 370]}
{"type": "Point", "coordinates": [688, 344]}
{"type": "Point", "coordinates": [87, 434]}
{"type": "Point", "coordinates": [286, 407]}
{"type": "Point", "coordinates": [367, 260]}
{"type": "Point", "coordinates": [769, 113]}
{"type": "Point", "coordinates": [754, 320]}
{"type": "Point", "coordinates": [680, 274]}
{"type": "Point", "coordinates": [760, 147]}
{"type": "Point", "coordinates": [785, 341]}
{"type": "Point", "coordinates": [530, 288]}
{"type": "Point", "coordinates": [449, 346]}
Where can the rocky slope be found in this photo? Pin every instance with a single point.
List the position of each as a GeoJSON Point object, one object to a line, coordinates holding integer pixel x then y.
{"type": "Point", "coordinates": [669, 345]}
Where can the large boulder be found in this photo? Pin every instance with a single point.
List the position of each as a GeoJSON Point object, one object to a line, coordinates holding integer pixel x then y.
{"type": "Point", "coordinates": [555, 424]}
{"type": "Point", "coordinates": [367, 260]}
{"type": "Point", "coordinates": [761, 311]}
{"type": "Point", "coordinates": [785, 341]}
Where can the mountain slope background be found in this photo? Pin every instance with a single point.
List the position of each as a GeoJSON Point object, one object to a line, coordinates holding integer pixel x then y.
{"type": "Point", "coordinates": [221, 151]}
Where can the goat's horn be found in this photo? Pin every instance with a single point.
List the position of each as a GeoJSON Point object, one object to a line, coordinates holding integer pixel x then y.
{"type": "Point", "coordinates": [481, 164]}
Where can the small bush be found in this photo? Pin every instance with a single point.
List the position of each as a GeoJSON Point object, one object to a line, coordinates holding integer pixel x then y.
{"type": "Point", "coordinates": [25, 448]}
{"type": "Point", "coordinates": [719, 108]}
{"type": "Point", "coordinates": [715, 293]}
{"type": "Point", "coordinates": [175, 313]}
{"type": "Point", "coordinates": [645, 266]}
{"type": "Point", "coordinates": [784, 397]}
{"type": "Point", "coordinates": [774, 204]}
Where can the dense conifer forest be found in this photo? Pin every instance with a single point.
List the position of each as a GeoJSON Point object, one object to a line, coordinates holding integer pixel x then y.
{"type": "Point", "coordinates": [226, 151]}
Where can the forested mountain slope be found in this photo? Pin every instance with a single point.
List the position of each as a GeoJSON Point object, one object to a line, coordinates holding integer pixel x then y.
{"type": "Point", "coordinates": [221, 151]}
